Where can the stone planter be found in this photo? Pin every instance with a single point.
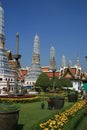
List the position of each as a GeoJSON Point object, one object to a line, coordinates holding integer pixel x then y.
{"type": "Point", "coordinates": [72, 97]}
{"type": "Point", "coordinates": [56, 103]}
{"type": "Point", "coordinates": [9, 120]}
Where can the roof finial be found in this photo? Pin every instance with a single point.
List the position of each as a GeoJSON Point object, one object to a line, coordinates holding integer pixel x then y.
{"type": "Point", "coordinates": [17, 42]}
{"type": "Point", "coordinates": [36, 33]}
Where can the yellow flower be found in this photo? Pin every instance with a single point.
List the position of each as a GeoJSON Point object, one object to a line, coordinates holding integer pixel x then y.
{"type": "Point", "coordinates": [59, 120]}
{"type": "Point", "coordinates": [42, 126]}
{"type": "Point", "coordinates": [46, 128]}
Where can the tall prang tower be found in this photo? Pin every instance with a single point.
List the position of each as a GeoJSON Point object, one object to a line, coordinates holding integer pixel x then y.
{"type": "Point", "coordinates": [6, 74]}
{"type": "Point", "coordinates": [52, 65]}
{"type": "Point", "coordinates": [63, 61]}
{"type": "Point", "coordinates": [35, 71]}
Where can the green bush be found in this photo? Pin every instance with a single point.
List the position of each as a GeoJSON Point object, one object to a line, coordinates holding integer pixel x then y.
{"type": "Point", "coordinates": [6, 107]}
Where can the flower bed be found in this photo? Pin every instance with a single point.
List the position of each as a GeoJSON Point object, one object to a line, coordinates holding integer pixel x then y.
{"type": "Point", "coordinates": [21, 96]}
{"type": "Point", "coordinates": [74, 121]}
{"type": "Point", "coordinates": [59, 120]}
{"type": "Point", "coordinates": [19, 99]}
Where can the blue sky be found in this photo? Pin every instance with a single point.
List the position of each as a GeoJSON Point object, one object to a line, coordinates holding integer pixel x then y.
{"type": "Point", "coordinates": [59, 23]}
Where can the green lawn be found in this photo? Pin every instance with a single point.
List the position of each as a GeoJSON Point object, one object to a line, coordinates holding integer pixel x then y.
{"type": "Point", "coordinates": [31, 114]}
{"type": "Point", "coordinates": [83, 124]}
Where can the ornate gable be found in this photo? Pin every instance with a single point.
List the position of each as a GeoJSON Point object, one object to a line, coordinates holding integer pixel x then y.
{"type": "Point", "coordinates": [84, 76]}
{"type": "Point", "coordinates": [9, 55]}
{"type": "Point", "coordinates": [73, 70]}
{"type": "Point", "coordinates": [68, 73]}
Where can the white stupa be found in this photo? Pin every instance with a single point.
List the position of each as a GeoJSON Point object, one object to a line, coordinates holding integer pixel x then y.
{"type": "Point", "coordinates": [6, 75]}
{"type": "Point", "coordinates": [35, 67]}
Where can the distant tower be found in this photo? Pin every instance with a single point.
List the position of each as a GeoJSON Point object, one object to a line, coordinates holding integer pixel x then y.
{"type": "Point", "coordinates": [77, 62]}
{"type": "Point", "coordinates": [63, 61]}
{"type": "Point", "coordinates": [35, 67]}
{"type": "Point", "coordinates": [52, 59]}
{"type": "Point", "coordinates": [78, 67]}
{"type": "Point", "coordinates": [36, 51]}
{"type": "Point", "coordinates": [70, 63]}
{"type": "Point", "coordinates": [2, 35]}
{"type": "Point", "coordinates": [6, 75]}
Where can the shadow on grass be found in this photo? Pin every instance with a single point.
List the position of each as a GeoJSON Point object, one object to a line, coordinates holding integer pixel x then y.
{"type": "Point", "coordinates": [20, 127]}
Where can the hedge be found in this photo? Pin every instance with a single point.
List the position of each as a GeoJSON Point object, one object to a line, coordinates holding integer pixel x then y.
{"type": "Point", "coordinates": [74, 121]}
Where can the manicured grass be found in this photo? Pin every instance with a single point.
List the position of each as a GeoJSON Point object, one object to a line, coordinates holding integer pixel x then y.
{"type": "Point", "coordinates": [31, 114]}
{"type": "Point", "coordinates": [83, 124]}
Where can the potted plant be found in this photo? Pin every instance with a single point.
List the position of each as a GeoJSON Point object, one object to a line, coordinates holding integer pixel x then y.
{"type": "Point", "coordinates": [55, 102]}
{"type": "Point", "coordinates": [73, 96]}
{"type": "Point", "coordinates": [9, 115]}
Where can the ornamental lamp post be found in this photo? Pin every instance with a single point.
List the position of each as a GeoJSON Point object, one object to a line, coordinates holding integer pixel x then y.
{"type": "Point", "coordinates": [86, 71]}
{"type": "Point", "coordinates": [54, 69]}
{"type": "Point", "coordinates": [17, 56]}
{"type": "Point", "coordinates": [85, 87]}
{"type": "Point", "coordinates": [86, 58]}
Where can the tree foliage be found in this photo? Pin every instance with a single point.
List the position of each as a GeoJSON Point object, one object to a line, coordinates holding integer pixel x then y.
{"type": "Point", "coordinates": [56, 81]}
{"type": "Point", "coordinates": [43, 81]}
{"type": "Point", "coordinates": [61, 82]}
{"type": "Point", "coordinates": [65, 82]}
